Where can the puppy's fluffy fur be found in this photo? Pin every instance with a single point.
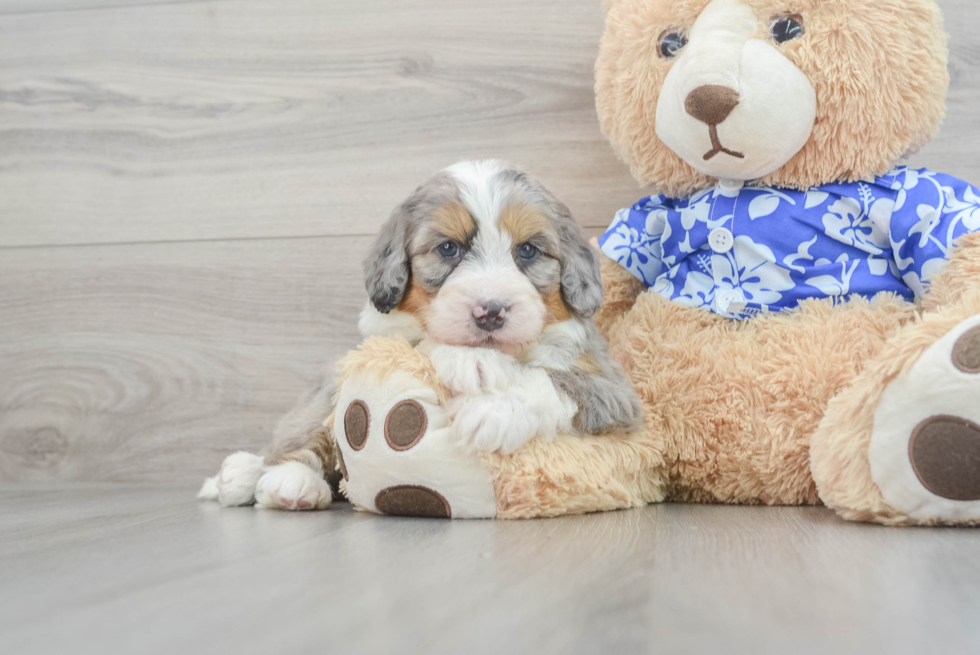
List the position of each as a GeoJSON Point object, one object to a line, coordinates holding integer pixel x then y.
{"type": "Point", "coordinates": [487, 273]}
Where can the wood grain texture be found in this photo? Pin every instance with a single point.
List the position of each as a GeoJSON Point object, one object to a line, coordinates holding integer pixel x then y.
{"type": "Point", "coordinates": [228, 155]}
{"type": "Point", "coordinates": [12, 7]}
{"type": "Point", "coordinates": [287, 118]}
{"type": "Point", "coordinates": [150, 361]}
{"type": "Point", "coordinates": [121, 569]}
{"type": "Point", "coordinates": [204, 120]}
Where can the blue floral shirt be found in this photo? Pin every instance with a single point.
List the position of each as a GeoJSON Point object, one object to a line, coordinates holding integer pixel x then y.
{"type": "Point", "coordinates": [739, 251]}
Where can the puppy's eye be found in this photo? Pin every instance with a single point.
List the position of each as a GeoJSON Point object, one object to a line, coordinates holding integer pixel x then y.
{"type": "Point", "coordinates": [671, 42]}
{"type": "Point", "coordinates": [527, 251]}
{"type": "Point", "coordinates": [786, 28]}
{"type": "Point", "coordinates": [449, 250]}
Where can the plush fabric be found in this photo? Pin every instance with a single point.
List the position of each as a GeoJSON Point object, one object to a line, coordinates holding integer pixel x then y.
{"type": "Point", "coordinates": [839, 453]}
{"type": "Point", "coordinates": [399, 456]}
{"type": "Point", "coordinates": [822, 401]}
{"type": "Point", "coordinates": [878, 68]}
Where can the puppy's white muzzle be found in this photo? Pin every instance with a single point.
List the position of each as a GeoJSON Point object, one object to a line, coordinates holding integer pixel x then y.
{"type": "Point", "coordinates": [494, 307]}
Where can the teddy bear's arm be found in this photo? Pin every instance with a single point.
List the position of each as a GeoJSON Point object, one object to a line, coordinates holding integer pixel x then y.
{"type": "Point", "coordinates": [622, 288]}
{"type": "Point", "coordinates": [933, 211]}
{"type": "Point", "coordinates": [633, 239]}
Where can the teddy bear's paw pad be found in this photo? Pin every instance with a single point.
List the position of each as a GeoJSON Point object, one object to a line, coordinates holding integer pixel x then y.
{"type": "Point", "coordinates": [357, 422]}
{"type": "Point", "coordinates": [405, 425]}
{"type": "Point", "coordinates": [925, 445]}
{"type": "Point", "coordinates": [966, 352]}
{"type": "Point", "coordinates": [412, 500]}
{"type": "Point", "coordinates": [945, 455]}
{"type": "Point", "coordinates": [398, 455]}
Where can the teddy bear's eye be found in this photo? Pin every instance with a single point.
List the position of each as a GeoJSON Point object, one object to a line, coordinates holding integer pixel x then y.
{"type": "Point", "coordinates": [786, 28]}
{"type": "Point", "coordinates": [671, 42]}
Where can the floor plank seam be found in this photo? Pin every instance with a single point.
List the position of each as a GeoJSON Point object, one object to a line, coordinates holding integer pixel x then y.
{"type": "Point", "coordinates": [66, 10]}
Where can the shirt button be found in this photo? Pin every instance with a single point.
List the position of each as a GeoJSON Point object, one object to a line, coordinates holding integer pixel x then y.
{"type": "Point", "coordinates": [732, 185]}
{"type": "Point", "coordinates": [721, 240]}
{"type": "Point", "coordinates": [726, 299]}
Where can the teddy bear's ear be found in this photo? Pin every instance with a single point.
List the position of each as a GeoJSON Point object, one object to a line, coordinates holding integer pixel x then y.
{"type": "Point", "coordinates": [386, 269]}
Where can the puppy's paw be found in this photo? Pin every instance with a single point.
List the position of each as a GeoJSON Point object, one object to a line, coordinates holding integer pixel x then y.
{"type": "Point", "coordinates": [292, 485]}
{"type": "Point", "coordinates": [209, 490]}
{"type": "Point", "coordinates": [470, 371]}
{"type": "Point", "coordinates": [236, 480]}
{"type": "Point", "coordinates": [499, 422]}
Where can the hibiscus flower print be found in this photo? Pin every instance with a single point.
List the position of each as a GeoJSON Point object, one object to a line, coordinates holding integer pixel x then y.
{"type": "Point", "coordinates": [861, 222]}
{"type": "Point", "coordinates": [638, 256]}
{"type": "Point", "coordinates": [834, 241]}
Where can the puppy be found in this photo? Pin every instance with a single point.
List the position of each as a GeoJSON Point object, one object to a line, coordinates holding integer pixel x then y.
{"type": "Point", "coordinates": [488, 274]}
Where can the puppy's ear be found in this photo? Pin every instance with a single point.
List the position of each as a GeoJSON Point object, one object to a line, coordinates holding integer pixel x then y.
{"type": "Point", "coordinates": [581, 280]}
{"type": "Point", "coordinates": [387, 269]}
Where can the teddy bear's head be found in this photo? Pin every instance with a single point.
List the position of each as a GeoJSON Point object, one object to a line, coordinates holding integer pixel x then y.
{"type": "Point", "coordinates": [791, 93]}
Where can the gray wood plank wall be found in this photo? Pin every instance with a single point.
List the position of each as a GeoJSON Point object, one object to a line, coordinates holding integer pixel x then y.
{"type": "Point", "coordinates": [187, 188]}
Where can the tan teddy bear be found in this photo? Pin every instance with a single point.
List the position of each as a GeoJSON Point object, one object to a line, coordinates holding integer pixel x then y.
{"type": "Point", "coordinates": [800, 319]}
{"type": "Point", "coordinates": [848, 380]}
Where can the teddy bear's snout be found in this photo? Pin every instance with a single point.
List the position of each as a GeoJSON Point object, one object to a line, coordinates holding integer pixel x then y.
{"type": "Point", "coordinates": [711, 104]}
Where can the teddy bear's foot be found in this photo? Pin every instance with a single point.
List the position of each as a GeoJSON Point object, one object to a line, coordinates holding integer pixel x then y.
{"type": "Point", "coordinates": [924, 452]}
{"type": "Point", "coordinates": [399, 456]}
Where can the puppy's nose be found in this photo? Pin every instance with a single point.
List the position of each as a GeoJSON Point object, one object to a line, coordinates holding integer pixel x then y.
{"type": "Point", "coordinates": [711, 103]}
{"type": "Point", "coordinates": [490, 317]}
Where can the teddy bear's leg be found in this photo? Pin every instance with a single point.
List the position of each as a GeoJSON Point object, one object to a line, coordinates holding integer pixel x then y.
{"type": "Point", "coordinates": [396, 448]}
{"type": "Point", "coordinates": [578, 474]}
{"type": "Point", "coordinates": [902, 444]}
{"type": "Point", "coordinates": [400, 456]}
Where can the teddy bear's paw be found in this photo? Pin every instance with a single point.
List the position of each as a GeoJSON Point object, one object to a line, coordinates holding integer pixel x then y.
{"type": "Point", "coordinates": [470, 371]}
{"type": "Point", "coordinates": [235, 483]}
{"type": "Point", "coordinates": [499, 422]}
{"type": "Point", "coordinates": [293, 486]}
{"type": "Point", "coordinates": [398, 454]}
{"type": "Point", "coordinates": [925, 446]}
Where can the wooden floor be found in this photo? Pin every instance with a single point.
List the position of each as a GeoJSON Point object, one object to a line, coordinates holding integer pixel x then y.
{"type": "Point", "coordinates": [127, 569]}
{"type": "Point", "coordinates": [187, 188]}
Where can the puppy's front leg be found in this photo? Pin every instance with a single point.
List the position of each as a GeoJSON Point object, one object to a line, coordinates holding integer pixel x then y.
{"type": "Point", "coordinates": [471, 371]}
{"type": "Point", "coordinates": [505, 420]}
{"type": "Point", "coordinates": [499, 403]}
{"type": "Point", "coordinates": [297, 480]}
{"type": "Point", "coordinates": [235, 483]}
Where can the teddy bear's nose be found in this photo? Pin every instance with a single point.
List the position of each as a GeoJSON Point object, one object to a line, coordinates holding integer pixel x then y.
{"type": "Point", "coordinates": [711, 103]}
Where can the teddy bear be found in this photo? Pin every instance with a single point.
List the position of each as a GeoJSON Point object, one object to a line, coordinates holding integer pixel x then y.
{"type": "Point", "coordinates": [799, 314]}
